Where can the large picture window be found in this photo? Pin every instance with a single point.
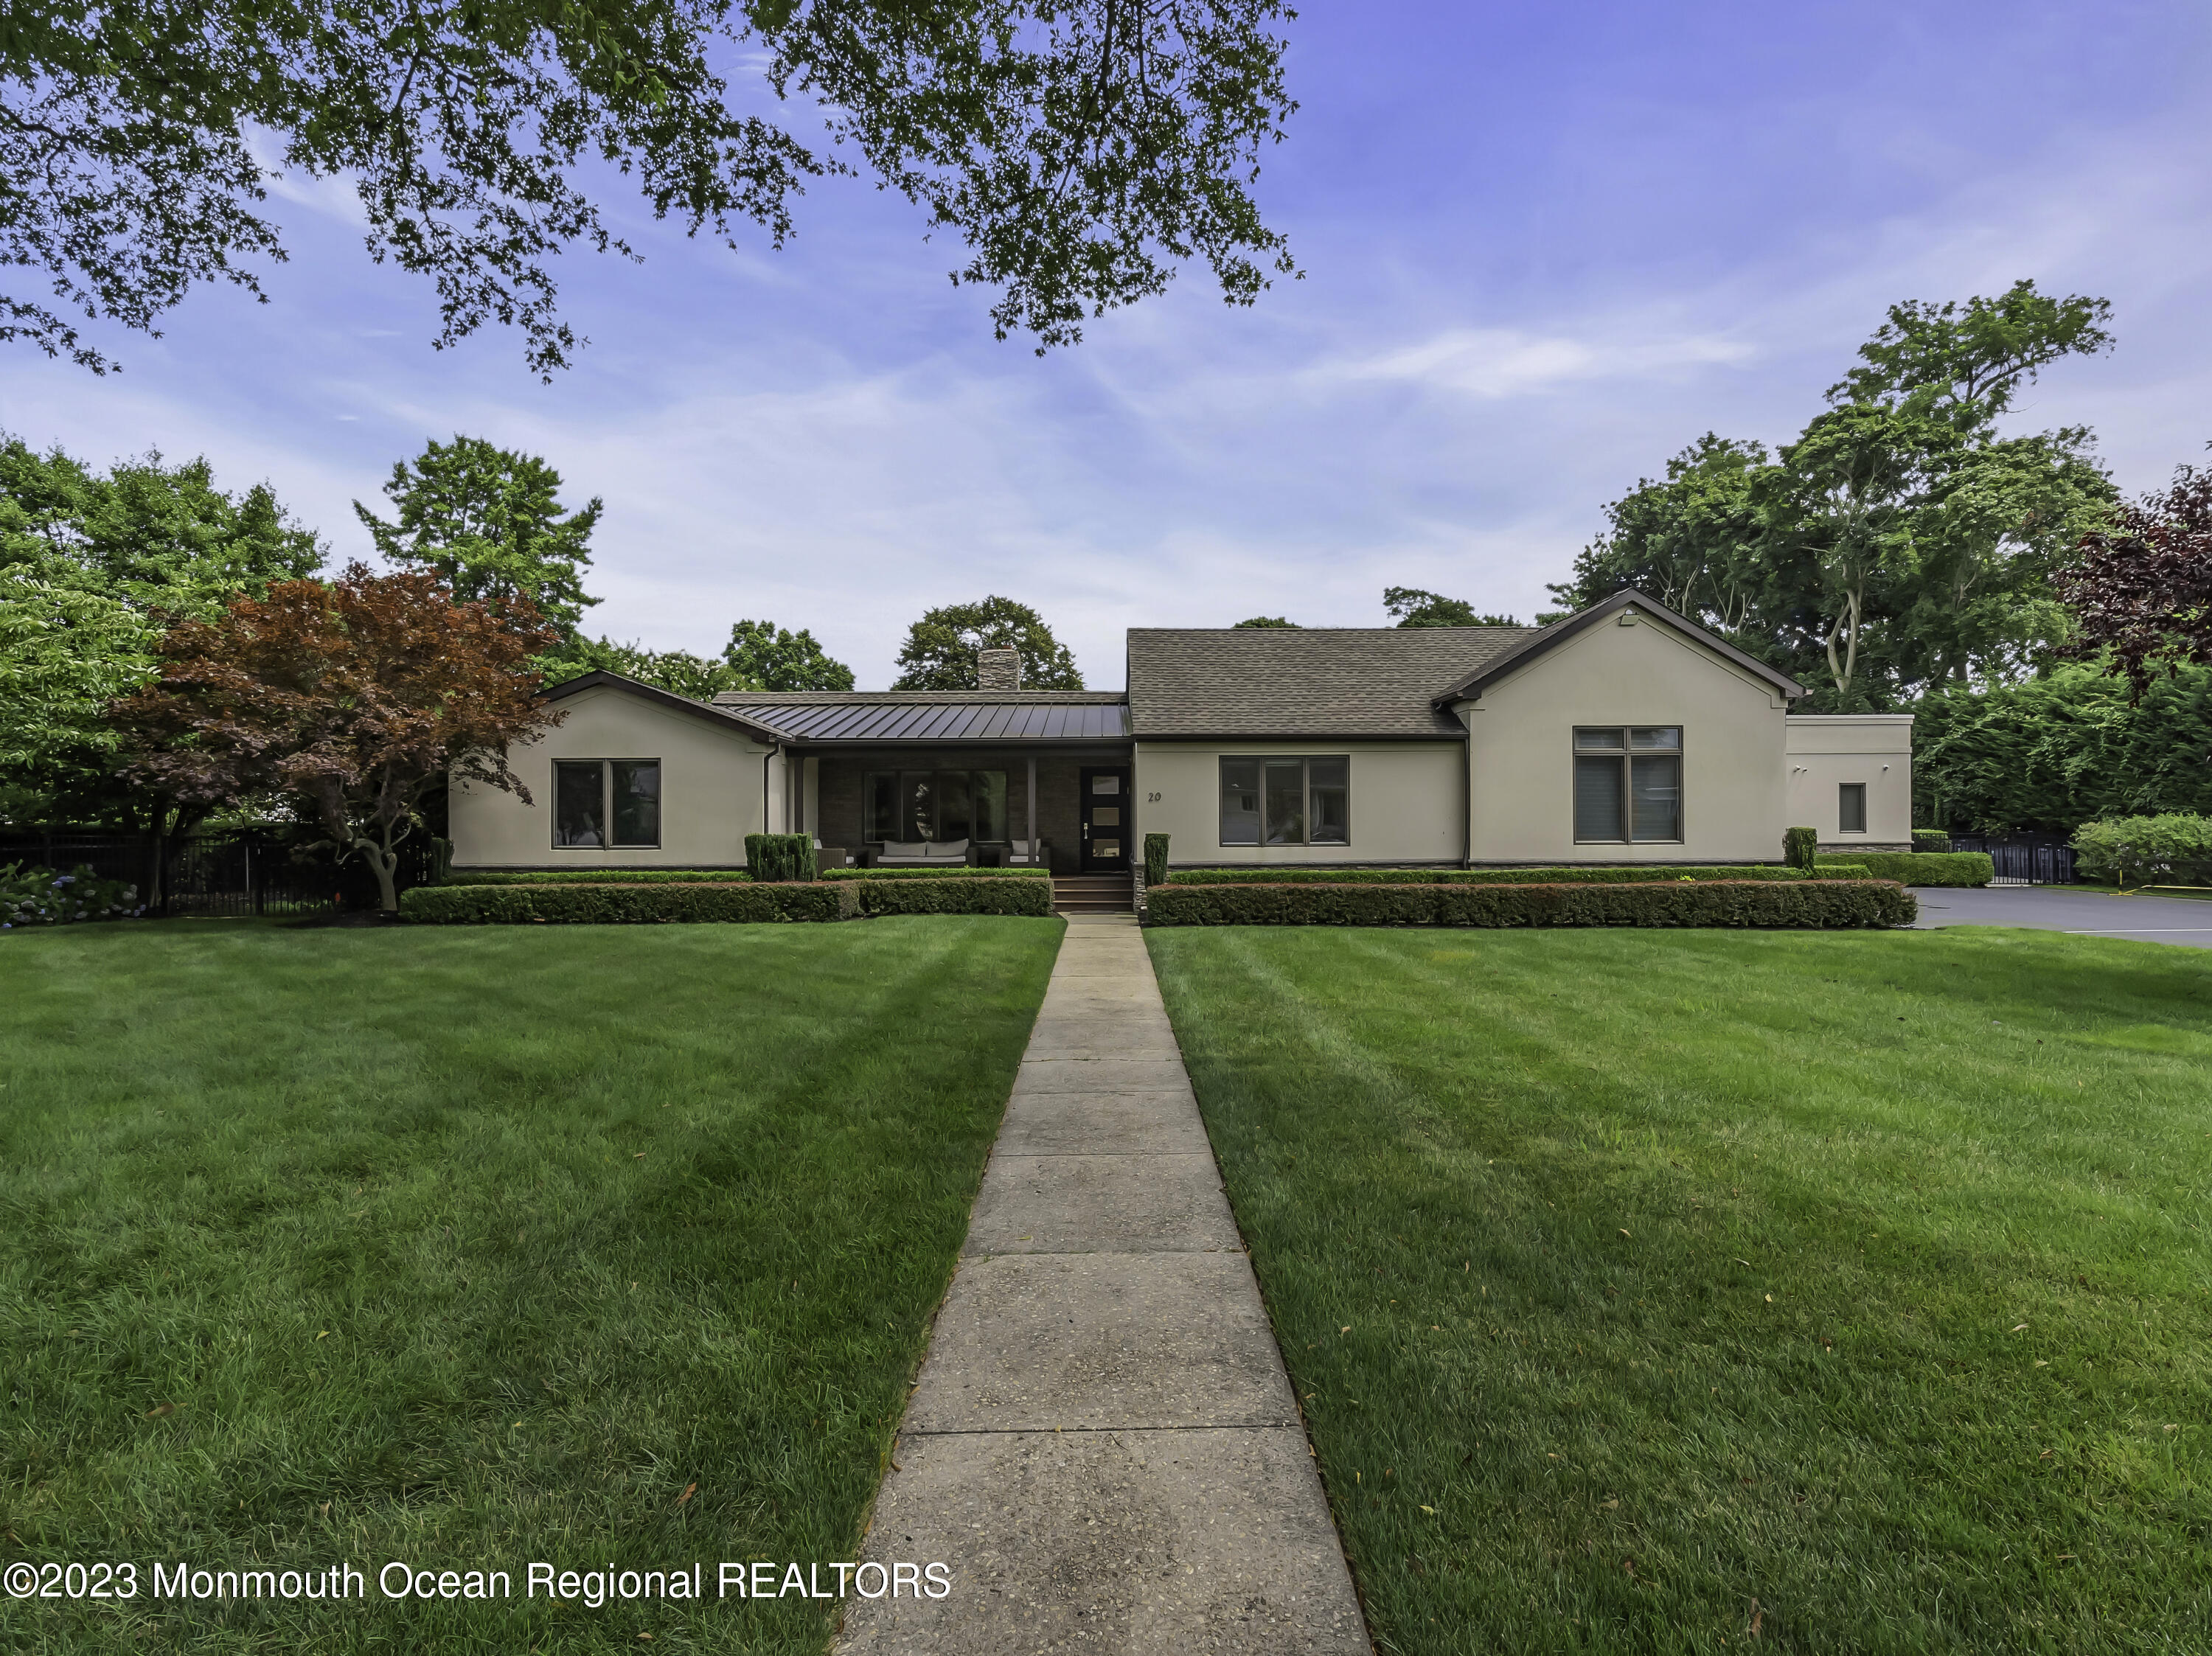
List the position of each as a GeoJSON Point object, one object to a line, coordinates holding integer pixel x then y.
{"type": "Point", "coordinates": [599, 804]}
{"type": "Point", "coordinates": [1628, 782]}
{"type": "Point", "coordinates": [912, 806]}
{"type": "Point", "coordinates": [1286, 801]}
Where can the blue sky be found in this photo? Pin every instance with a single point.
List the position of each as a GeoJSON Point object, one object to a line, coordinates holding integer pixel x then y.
{"type": "Point", "coordinates": [1544, 247]}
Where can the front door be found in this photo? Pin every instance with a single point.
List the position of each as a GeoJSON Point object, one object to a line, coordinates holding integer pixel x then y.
{"type": "Point", "coordinates": [1105, 813]}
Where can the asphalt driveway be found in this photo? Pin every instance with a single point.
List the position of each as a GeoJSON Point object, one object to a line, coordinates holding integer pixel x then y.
{"type": "Point", "coordinates": [2066, 908]}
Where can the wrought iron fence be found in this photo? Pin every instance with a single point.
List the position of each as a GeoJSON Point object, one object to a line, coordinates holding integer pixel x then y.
{"type": "Point", "coordinates": [278, 870]}
{"type": "Point", "coordinates": [2025, 859]}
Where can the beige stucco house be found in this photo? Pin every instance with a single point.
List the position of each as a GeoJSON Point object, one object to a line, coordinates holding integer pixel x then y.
{"type": "Point", "coordinates": [1624, 733]}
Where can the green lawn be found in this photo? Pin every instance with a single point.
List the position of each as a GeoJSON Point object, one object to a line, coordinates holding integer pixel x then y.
{"type": "Point", "coordinates": [473, 1248]}
{"type": "Point", "coordinates": [1659, 1291]}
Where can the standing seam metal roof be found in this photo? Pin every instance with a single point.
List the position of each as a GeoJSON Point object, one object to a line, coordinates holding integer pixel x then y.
{"type": "Point", "coordinates": [859, 718]}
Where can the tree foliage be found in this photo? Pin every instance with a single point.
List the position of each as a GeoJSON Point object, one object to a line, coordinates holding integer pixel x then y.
{"type": "Point", "coordinates": [2049, 753]}
{"type": "Point", "coordinates": [354, 698]}
{"type": "Point", "coordinates": [940, 653]}
{"type": "Point", "coordinates": [92, 567]}
{"type": "Point", "coordinates": [1080, 150]}
{"type": "Point", "coordinates": [1900, 543]}
{"type": "Point", "coordinates": [1415, 608]}
{"type": "Point", "coordinates": [487, 522]}
{"type": "Point", "coordinates": [1269, 621]}
{"type": "Point", "coordinates": [2142, 588]}
{"type": "Point", "coordinates": [767, 657]}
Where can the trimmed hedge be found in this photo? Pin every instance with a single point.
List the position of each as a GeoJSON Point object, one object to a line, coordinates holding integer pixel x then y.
{"type": "Point", "coordinates": [739, 902]}
{"type": "Point", "coordinates": [1914, 867]}
{"type": "Point", "coordinates": [598, 876]}
{"type": "Point", "coordinates": [935, 874]}
{"type": "Point", "coordinates": [1016, 895]}
{"type": "Point", "coordinates": [1817, 903]}
{"type": "Point", "coordinates": [1800, 847]}
{"type": "Point", "coordinates": [1156, 859]}
{"type": "Point", "coordinates": [1931, 840]}
{"type": "Point", "coordinates": [1634, 875]}
{"type": "Point", "coordinates": [780, 858]}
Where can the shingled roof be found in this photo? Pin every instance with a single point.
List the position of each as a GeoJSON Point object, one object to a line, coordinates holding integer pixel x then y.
{"type": "Point", "coordinates": [1295, 682]}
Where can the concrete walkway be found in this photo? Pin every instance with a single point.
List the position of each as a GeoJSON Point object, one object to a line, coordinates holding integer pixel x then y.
{"type": "Point", "coordinates": [1103, 1447]}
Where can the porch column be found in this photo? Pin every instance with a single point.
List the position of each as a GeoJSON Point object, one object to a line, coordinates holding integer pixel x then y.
{"type": "Point", "coordinates": [1033, 833]}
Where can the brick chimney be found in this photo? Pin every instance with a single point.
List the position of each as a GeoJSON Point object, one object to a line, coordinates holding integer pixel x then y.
{"type": "Point", "coordinates": [998, 670]}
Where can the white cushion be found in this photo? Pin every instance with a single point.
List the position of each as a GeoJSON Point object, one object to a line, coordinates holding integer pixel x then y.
{"type": "Point", "coordinates": [905, 848]}
{"type": "Point", "coordinates": [948, 848]}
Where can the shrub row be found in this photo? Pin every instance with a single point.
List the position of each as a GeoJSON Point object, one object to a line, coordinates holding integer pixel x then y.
{"type": "Point", "coordinates": [598, 876]}
{"type": "Point", "coordinates": [2174, 848]}
{"type": "Point", "coordinates": [1018, 895]}
{"type": "Point", "coordinates": [1933, 840]}
{"type": "Point", "coordinates": [45, 896]}
{"type": "Point", "coordinates": [1912, 867]}
{"type": "Point", "coordinates": [1634, 875]}
{"type": "Point", "coordinates": [627, 904]}
{"type": "Point", "coordinates": [935, 874]}
{"type": "Point", "coordinates": [1820, 903]}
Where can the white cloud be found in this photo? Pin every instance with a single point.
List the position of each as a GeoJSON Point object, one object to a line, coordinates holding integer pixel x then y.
{"type": "Point", "coordinates": [1497, 363]}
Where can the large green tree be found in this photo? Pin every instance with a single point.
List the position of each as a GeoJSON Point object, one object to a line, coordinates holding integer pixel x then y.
{"type": "Point", "coordinates": [92, 566]}
{"type": "Point", "coordinates": [1902, 543]}
{"type": "Point", "coordinates": [768, 656]}
{"type": "Point", "coordinates": [940, 653]}
{"type": "Point", "coordinates": [489, 522]}
{"type": "Point", "coordinates": [1080, 150]}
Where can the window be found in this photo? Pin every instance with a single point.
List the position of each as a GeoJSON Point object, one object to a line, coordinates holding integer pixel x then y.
{"type": "Point", "coordinates": [942, 805]}
{"type": "Point", "coordinates": [588, 794]}
{"type": "Point", "coordinates": [1628, 782]}
{"type": "Point", "coordinates": [1851, 808]}
{"type": "Point", "coordinates": [1287, 801]}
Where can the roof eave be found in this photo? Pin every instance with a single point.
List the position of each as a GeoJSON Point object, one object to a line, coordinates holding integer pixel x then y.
{"type": "Point", "coordinates": [600, 679]}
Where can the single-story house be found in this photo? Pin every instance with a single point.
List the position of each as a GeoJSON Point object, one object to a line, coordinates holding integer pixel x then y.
{"type": "Point", "coordinates": [1624, 733]}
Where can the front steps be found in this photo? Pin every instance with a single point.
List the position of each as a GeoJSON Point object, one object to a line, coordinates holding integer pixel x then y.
{"type": "Point", "coordinates": [1094, 893]}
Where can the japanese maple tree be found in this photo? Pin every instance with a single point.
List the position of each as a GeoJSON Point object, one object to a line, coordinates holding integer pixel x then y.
{"type": "Point", "coordinates": [353, 697]}
{"type": "Point", "coordinates": [2141, 589]}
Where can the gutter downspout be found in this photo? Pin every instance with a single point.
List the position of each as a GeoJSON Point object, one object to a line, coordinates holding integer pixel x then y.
{"type": "Point", "coordinates": [1466, 790]}
{"type": "Point", "coordinates": [767, 758]}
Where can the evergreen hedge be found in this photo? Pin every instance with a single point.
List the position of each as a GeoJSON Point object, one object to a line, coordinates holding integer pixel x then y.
{"type": "Point", "coordinates": [1635, 876]}
{"type": "Point", "coordinates": [598, 876]}
{"type": "Point", "coordinates": [780, 856]}
{"type": "Point", "coordinates": [1017, 894]}
{"type": "Point", "coordinates": [1931, 840]}
{"type": "Point", "coordinates": [1799, 847]}
{"type": "Point", "coordinates": [1156, 859]}
{"type": "Point", "coordinates": [1816, 903]}
{"type": "Point", "coordinates": [1956, 868]}
{"type": "Point", "coordinates": [738, 901]}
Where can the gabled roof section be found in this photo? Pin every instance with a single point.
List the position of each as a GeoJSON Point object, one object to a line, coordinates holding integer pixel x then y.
{"type": "Point", "coordinates": [970, 716]}
{"type": "Point", "coordinates": [726, 718]}
{"type": "Point", "coordinates": [1541, 640]}
{"type": "Point", "coordinates": [1299, 682]}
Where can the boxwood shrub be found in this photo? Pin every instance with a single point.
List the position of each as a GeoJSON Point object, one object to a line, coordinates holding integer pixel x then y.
{"type": "Point", "coordinates": [1913, 867]}
{"type": "Point", "coordinates": [780, 858]}
{"type": "Point", "coordinates": [626, 905]}
{"type": "Point", "coordinates": [1014, 894]}
{"type": "Point", "coordinates": [1817, 903]}
{"type": "Point", "coordinates": [935, 874]}
{"type": "Point", "coordinates": [1632, 875]}
{"type": "Point", "coordinates": [598, 876]}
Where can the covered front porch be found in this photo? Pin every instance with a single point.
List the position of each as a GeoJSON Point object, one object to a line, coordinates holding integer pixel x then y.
{"type": "Point", "coordinates": [1060, 808]}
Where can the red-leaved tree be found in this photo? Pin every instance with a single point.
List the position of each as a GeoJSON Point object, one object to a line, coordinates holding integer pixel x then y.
{"type": "Point", "coordinates": [2142, 589]}
{"type": "Point", "coordinates": [353, 697]}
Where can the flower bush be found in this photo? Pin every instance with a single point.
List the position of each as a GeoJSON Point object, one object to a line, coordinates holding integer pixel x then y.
{"type": "Point", "coordinates": [2174, 849]}
{"type": "Point", "coordinates": [39, 896]}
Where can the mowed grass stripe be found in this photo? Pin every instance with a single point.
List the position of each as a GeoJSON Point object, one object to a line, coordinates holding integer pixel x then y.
{"type": "Point", "coordinates": [1541, 1434]}
{"type": "Point", "coordinates": [493, 1241]}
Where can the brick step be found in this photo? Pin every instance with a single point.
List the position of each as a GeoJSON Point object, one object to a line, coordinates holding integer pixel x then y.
{"type": "Point", "coordinates": [1094, 893]}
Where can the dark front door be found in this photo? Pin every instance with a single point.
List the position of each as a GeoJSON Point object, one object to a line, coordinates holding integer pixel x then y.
{"type": "Point", "coordinates": [1105, 812]}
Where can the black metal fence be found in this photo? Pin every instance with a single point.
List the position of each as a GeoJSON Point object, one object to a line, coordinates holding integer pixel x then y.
{"type": "Point", "coordinates": [2031, 859]}
{"type": "Point", "coordinates": [273, 870]}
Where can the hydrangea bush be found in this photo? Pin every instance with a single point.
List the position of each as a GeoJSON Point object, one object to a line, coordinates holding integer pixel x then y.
{"type": "Point", "coordinates": [39, 896]}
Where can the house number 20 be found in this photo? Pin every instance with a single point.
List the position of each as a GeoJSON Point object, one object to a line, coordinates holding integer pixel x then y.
{"type": "Point", "coordinates": [1152, 800]}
